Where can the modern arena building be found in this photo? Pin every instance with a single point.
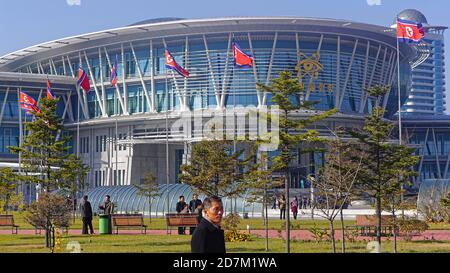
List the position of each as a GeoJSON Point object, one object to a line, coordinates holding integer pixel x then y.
{"type": "Point", "coordinates": [120, 132]}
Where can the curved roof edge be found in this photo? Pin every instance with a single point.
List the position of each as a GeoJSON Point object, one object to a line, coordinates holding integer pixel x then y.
{"type": "Point", "coordinates": [183, 24]}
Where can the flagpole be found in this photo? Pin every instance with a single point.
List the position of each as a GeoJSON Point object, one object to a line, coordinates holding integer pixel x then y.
{"type": "Point", "coordinates": [399, 110]}
{"type": "Point", "coordinates": [20, 129]}
{"type": "Point", "coordinates": [399, 101]}
{"type": "Point", "coordinates": [167, 143]}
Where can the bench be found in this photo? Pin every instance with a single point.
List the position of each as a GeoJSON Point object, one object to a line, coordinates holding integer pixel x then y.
{"type": "Point", "coordinates": [128, 221]}
{"type": "Point", "coordinates": [181, 220]}
{"type": "Point", "coordinates": [368, 223]}
{"type": "Point", "coordinates": [8, 221]}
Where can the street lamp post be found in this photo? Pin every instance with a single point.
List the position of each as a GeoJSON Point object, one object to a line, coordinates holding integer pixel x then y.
{"type": "Point", "coordinates": [312, 180]}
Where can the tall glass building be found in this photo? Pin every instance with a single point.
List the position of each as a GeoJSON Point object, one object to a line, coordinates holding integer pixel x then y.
{"type": "Point", "coordinates": [427, 96]}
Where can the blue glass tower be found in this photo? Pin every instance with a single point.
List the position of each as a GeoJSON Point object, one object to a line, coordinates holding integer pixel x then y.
{"type": "Point", "coordinates": [427, 96]}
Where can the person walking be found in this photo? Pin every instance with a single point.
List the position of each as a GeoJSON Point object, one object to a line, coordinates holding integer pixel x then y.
{"type": "Point", "coordinates": [108, 209]}
{"type": "Point", "coordinates": [193, 205]}
{"type": "Point", "coordinates": [294, 207]}
{"type": "Point", "coordinates": [274, 204]}
{"type": "Point", "coordinates": [86, 216]}
{"type": "Point", "coordinates": [181, 207]}
{"type": "Point", "coordinates": [208, 237]}
{"type": "Point", "coordinates": [282, 206]}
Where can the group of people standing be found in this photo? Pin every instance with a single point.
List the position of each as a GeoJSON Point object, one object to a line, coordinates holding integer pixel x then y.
{"type": "Point", "coordinates": [207, 237]}
{"type": "Point", "coordinates": [282, 205]}
{"type": "Point", "coordinates": [195, 206]}
{"type": "Point", "coordinates": [86, 214]}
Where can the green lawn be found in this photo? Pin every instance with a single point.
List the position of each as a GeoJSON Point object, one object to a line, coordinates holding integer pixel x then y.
{"type": "Point", "coordinates": [181, 244]}
{"type": "Point", "coordinates": [254, 223]}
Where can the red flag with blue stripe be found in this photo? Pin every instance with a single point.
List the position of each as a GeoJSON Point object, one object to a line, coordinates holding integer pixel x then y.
{"type": "Point", "coordinates": [241, 58]}
{"type": "Point", "coordinates": [113, 76]}
{"type": "Point", "coordinates": [28, 103]}
{"type": "Point", "coordinates": [173, 65]}
{"type": "Point", "coordinates": [50, 95]}
{"type": "Point", "coordinates": [409, 31]}
{"type": "Point", "coordinates": [83, 80]}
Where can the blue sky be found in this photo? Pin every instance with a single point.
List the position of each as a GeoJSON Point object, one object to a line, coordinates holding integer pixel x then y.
{"type": "Point", "coordinates": [25, 23]}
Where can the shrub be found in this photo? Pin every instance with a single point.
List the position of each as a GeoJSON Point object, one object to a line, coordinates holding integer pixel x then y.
{"type": "Point", "coordinates": [236, 236]}
{"type": "Point", "coordinates": [351, 235]}
{"type": "Point", "coordinates": [231, 222]}
{"type": "Point", "coordinates": [319, 234]}
{"type": "Point", "coordinates": [410, 227]}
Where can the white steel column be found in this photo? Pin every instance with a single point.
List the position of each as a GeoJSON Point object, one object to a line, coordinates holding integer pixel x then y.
{"type": "Point", "coordinates": [97, 95]}
{"type": "Point", "coordinates": [125, 92]}
{"type": "Point", "coordinates": [152, 79]}
{"type": "Point", "coordinates": [3, 105]}
{"type": "Point", "coordinates": [184, 106]}
{"type": "Point", "coordinates": [347, 76]}
{"type": "Point", "coordinates": [100, 59]}
{"type": "Point", "coordinates": [255, 73]}
{"type": "Point", "coordinates": [141, 76]}
{"type": "Point", "coordinates": [225, 74]}
{"type": "Point", "coordinates": [213, 79]}
{"type": "Point", "coordinates": [269, 70]}
{"type": "Point", "coordinates": [85, 100]}
{"type": "Point", "coordinates": [337, 94]}
{"type": "Point", "coordinates": [119, 96]}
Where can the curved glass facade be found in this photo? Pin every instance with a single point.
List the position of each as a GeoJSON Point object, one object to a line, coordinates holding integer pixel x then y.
{"type": "Point", "coordinates": [350, 65]}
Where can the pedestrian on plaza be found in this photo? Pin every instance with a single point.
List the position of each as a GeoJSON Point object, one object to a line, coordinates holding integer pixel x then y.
{"type": "Point", "coordinates": [86, 216]}
{"type": "Point", "coordinates": [282, 206]}
{"type": "Point", "coordinates": [294, 207]}
{"type": "Point", "coordinates": [108, 209]}
{"type": "Point", "coordinates": [208, 237]}
{"type": "Point", "coordinates": [181, 207]}
{"type": "Point", "coordinates": [193, 205]}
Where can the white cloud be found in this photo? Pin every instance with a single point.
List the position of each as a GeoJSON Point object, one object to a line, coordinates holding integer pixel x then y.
{"type": "Point", "coordinates": [374, 2]}
{"type": "Point", "coordinates": [78, 2]}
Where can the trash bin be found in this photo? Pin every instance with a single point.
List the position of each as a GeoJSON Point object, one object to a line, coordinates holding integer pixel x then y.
{"type": "Point", "coordinates": [103, 224]}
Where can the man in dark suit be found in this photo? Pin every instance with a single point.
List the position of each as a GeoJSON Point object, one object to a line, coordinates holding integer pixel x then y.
{"type": "Point", "coordinates": [208, 237]}
{"type": "Point", "coordinates": [181, 207]}
{"type": "Point", "coordinates": [108, 209]}
{"type": "Point", "coordinates": [194, 208]}
{"type": "Point", "coordinates": [86, 214]}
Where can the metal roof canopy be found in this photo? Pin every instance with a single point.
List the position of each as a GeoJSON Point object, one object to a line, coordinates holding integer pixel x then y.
{"type": "Point", "coordinates": [196, 26]}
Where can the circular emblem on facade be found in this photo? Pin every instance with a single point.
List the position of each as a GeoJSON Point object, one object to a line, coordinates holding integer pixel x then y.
{"type": "Point", "coordinates": [310, 66]}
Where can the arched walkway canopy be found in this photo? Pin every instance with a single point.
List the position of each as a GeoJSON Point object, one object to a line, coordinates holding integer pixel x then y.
{"type": "Point", "coordinates": [127, 200]}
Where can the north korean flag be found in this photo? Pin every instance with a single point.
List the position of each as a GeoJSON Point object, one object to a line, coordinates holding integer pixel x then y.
{"type": "Point", "coordinates": [83, 80]}
{"type": "Point", "coordinates": [241, 58]}
{"type": "Point", "coordinates": [49, 91]}
{"type": "Point", "coordinates": [409, 31]}
{"type": "Point", "coordinates": [172, 64]}
{"type": "Point", "coordinates": [113, 76]}
{"type": "Point", "coordinates": [30, 109]}
{"type": "Point", "coordinates": [28, 103]}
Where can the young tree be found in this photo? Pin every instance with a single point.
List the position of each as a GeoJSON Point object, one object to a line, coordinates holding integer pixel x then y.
{"type": "Point", "coordinates": [43, 152]}
{"type": "Point", "coordinates": [214, 170]}
{"type": "Point", "coordinates": [74, 178]}
{"type": "Point", "coordinates": [48, 212]}
{"type": "Point", "coordinates": [392, 202]}
{"type": "Point", "coordinates": [288, 94]}
{"type": "Point", "coordinates": [335, 184]}
{"type": "Point", "coordinates": [260, 182]}
{"type": "Point", "coordinates": [384, 164]}
{"type": "Point", "coordinates": [9, 197]}
{"type": "Point", "coordinates": [149, 189]}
